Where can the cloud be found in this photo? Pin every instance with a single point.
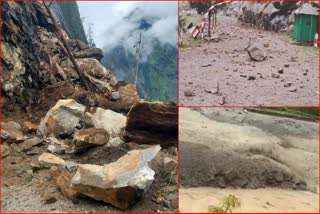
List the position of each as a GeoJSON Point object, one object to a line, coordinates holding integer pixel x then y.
{"type": "Point", "coordinates": [117, 23]}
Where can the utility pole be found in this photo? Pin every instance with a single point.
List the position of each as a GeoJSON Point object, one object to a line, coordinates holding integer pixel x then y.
{"type": "Point", "coordinates": [138, 47]}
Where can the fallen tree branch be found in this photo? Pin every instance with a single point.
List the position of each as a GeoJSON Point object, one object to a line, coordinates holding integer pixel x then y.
{"type": "Point", "coordinates": [75, 64]}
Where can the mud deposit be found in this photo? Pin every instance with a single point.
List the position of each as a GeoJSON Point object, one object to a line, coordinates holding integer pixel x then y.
{"type": "Point", "coordinates": [233, 148]}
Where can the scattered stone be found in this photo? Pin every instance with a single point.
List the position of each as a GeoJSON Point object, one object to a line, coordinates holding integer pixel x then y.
{"type": "Point", "coordinates": [50, 200]}
{"type": "Point", "coordinates": [169, 164]}
{"type": "Point", "coordinates": [48, 160]}
{"type": "Point", "coordinates": [245, 76]}
{"type": "Point", "coordinates": [256, 53]}
{"type": "Point", "coordinates": [206, 65]}
{"type": "Point", "coordinates": [111, 121]}
{"type": "Point", "coordinates": [293, 89]}
{"type": "Point", "coordinates": [115, 95]}
{"type": "Point", "coordinates": [223, 100]}
{"type": "Point", "coordinates": [29, 127]}
{"type": "Point", "coordinates": [5, 150]}
{"type": "Point", "coordinates": [19, 172]}
{"type": "Point", "coordinates": [287, 65]}
{"type": "Point", "coordinates": [305, 73]}
{"type": "Point", "coordinates": [56, 146]}
{"type": "Point", "coordinates": [71, 166]}
{"type": "Point", "coordinates": [62, 119]}
{"type": "Point", "coordinates": [275, 75]}
{"type": "Point", "coordinates": [266, 45]}
{"type": "Point", "coordinates": [11, 132]}
{"type": "Point", "coordinates": [87, 138]}
{"type": "Point", "coordinates": [287, 84]}
{"type": "Point", "coordinates": [29, 172]}
{"type": "Point", "coordinates": [88, 120]}
{"type": "Point", "coordinates": [189, 93]}
{"type": "Point", "coordinates": [115, 142]}
{"type": "Point", "coordinates": [34, 163]}
{"type": "Point", "coordinates": [28, 144]}
{"type": "Point", "coordinates": [280, 71]}
{"type": "Point", "coordinates": [153, 123]}
{"type": "Point", "coordinates": [251, 77]}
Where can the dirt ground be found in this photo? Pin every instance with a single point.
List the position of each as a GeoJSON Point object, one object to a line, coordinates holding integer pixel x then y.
{"type": "Point", "coordinates": [227, 62]}
{"type": "Point", "coordinates": [247, 154]}
{"type": "Point", "coordinates": [259, 200]}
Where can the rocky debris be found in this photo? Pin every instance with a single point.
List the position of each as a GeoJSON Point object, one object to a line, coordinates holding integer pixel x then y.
{"type": "Point", "coordinates": [91, 137]}
{"type": "Point", "coordinates": [99, 77]}
{"type": "Point", "coordinates": [29, 127]}
{"type": "Point", "coordinates": [109, 120]}
{"type": "Point", "coordinates": [49, 199]}
{"type": "Point", "coordinates": [293, 89]}
{"type": "Point", "coordinates": [115, 95]}
{"type": "Point", "coordinates": [82, 50]}
{"type": "Point", "coordinates": [11, 132]}
{"type": "Point", "coordinates": [280, 71]}
{"type": "Point", "coordinates": [169, 164]}
{"type": "Point", "coordinates": [28, 144]}
{"type": "Point", "coordinates": [275, 75]}
{"type": "Point", "coordinates": [287, 84]}
{"type": "Point", "coordinates": [5, 150]}
{"type": "Point", "coordinates": [153, 123]}
{"type": "Point", "coordinates": [48, 160]}
{"type": "Point", "coordinates": [223, 100]}
{"type": "Point", "coordinates": [115, 142]}
{"type": "Point", "coordinates": [189, 93]}
{"type": "Point", "coordinates": [56, 146]}
{"type": "Point", "coordinates": [256, 52]}
{"type": "Point", "coordinates": [59, 72]}
{"type": "Point", "coordinates": [250, 77]}
{"type": "Point", "coordinates": [71, 166]}
{"type": "Point", "coordinates": [121, 183]}
{"type": "Point", "coordinates": [277, 16]}
{"type": "Point", "coordinates": [62, 119]}
{"type": "Point", "coordinates": [128, 94]}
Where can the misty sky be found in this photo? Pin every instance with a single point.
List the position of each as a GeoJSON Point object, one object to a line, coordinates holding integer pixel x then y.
{"type": "Point", "coordinates": [110, 28]}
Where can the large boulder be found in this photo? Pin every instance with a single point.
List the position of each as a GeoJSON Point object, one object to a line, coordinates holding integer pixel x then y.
{"type": "Point", "coordinates": [256, 52]}
{"type": "Point", "coordinates": [48, 160]}
{"type": "Point", "coordinates": [62, 119]}
{"type": "Point", "coordinates": [153, 123]}
{"type": "Point", "coordinates": [111, 121]}
{"type": "Point", "coordinates": [121, 183]}
{"type": "Point", "coordinates": [11, 132]}
{"type": "Point", "coordinates": [87, 138]}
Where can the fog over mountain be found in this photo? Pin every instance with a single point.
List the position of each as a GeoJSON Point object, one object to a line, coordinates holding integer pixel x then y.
{"type": "Point", "coordinates": [116, 28]}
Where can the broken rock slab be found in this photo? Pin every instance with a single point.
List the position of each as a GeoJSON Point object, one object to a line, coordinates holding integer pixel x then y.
{"type": "Point", "coordinates": [48, 160]}
{"type": "Point", "coordinates": [11, 132]}
{"type": "Point", "coordinates": [111, 121]}
{"type": "Point", "coordinates": [153, 123]}
{"type": "Point", "coordinates": [91, 137]}
{"type": "Point", "coordinates": [62, 119]}
{"type": "Point", "coordinates": [121, 183]}
{"type": "Point", "coordinates": [28, 144]}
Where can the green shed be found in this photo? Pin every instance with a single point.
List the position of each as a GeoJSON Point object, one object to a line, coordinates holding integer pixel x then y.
{"type": "Point", "coordinates": [305, 23]}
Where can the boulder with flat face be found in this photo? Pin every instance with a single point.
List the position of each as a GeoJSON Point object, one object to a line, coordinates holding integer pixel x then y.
{"type": "Point", "coordinates": [87, 138]}
{"type": "Point", "coordinates": [11, 132]}
{"type": "Point", "coordinates": [153, 123]}
{"type": "Point", "coordinates": [62, 119]}
{"type": "Point", "coordinates": [111, 121]}
{"type": "Point", "coordinates": [48, 160]}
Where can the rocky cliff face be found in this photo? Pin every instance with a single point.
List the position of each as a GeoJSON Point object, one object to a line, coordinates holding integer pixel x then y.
{"type": "Point", "coordinates": [277, 16]}
{"type": "Point", "coordinates": [34, 57]}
